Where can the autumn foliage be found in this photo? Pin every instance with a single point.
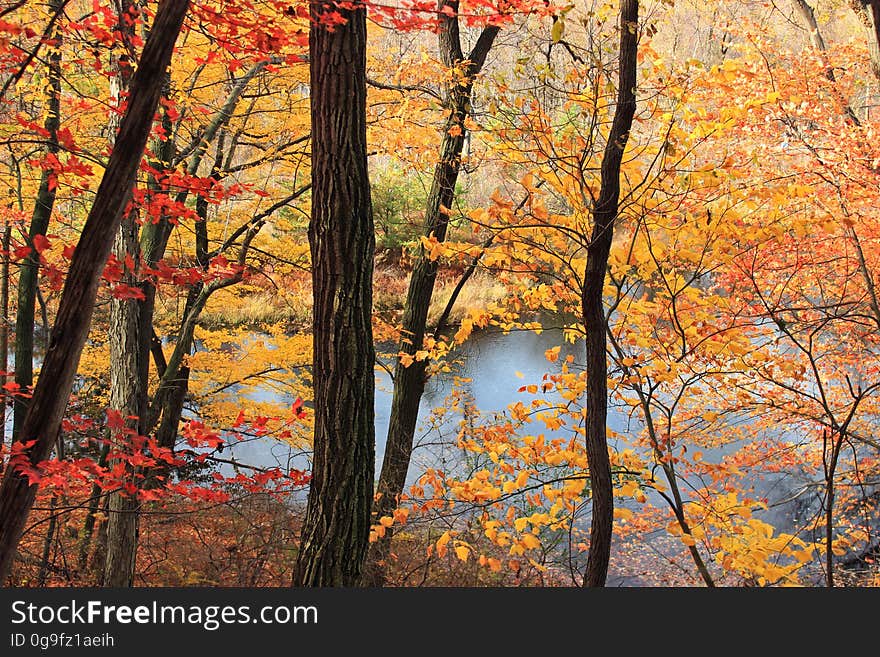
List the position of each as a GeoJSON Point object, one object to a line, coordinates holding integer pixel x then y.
{"type": "Point", "coordinates": [743, 319]}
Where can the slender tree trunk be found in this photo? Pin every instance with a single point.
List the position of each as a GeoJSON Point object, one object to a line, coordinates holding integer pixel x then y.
{"type": "Point", "coordinates": [51, 394]}
{"type": "Point", "coordinates": [830, 458]}
{"type": "Point", "coordinates": [336, 528]}
{"type": "Point", "coordinates": [85, 535]}
{"type": "Point", "coordinates": [29, 270]}
{"type": "Point", "coordinates": [128, 392]}
{"type": "Point", "coordinates": [52, 526]}
{"type": "Point", "coordinates": [807, 14]}
{"type": "Point", "coordinates": [165, 409]}
{"type": "Point", "coordinates": [409, 381]}
{"type": "Point", "coordinates": [43, 573]}
{"type": "Point", "coordinates": [174, 382]}
{"type": "Point", "coordinates": [809, 17]}
{"type": "Point", "coordinates": [595, 324]}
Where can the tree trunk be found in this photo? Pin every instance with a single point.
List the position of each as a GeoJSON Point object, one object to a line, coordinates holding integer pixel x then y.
{"type": "Point", "coordinates": [595, 325]}
{"type": "Point", "coordinates": [128, 391]}
{"type": "Point", "coordinates": [43, 420]}
{"type": "Point", "coordinates": [336, 528]}
{"type": "Point", "coordinates": [809, 17]}
{"type": "Point", "coordinates": [29, 270]}
{"type": "Point", "coordinates": [94, 503]}
{"type": "Point", "coordinates": [127, 397]}
{"type": "Point", "coordinates": [409, 381]}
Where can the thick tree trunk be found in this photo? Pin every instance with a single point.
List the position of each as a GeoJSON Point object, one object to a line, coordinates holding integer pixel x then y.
{"type": "Point", "coordinates": [77, 303]}
{"type": "Point", "coordinates": [409, 381]}
{"type": "Point", "coordinates": [127, 397]}
{"type": "Point", "coordinates": [336, 528]}
{"type": "Point", "coordinates": [604, 216]}
{"type": "Point", "coordinates": [29, 270]}
{"type": "Point", "coordinates": [128, 389]}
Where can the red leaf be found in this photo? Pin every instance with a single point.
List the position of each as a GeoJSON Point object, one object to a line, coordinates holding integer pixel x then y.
{"type": "Point", "coordinates": [41, 243]}
{"type": "Point", "coordinates": [121, 291]}
{"type": "Point", "coordinates": [297, 408]}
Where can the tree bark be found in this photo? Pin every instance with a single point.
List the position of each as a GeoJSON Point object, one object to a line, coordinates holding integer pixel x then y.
{"type": "Point", "coordinates": [128, 391]}
{"type": "Point", "coordinates": [52, 392]}
{"type": "Point", "coordinates": [336, 528]}
{"type": "Point", "coordinates": [595, 324]}
{"type": "Point", "coordinates": [409, 381]}
{"type": "Point", "coordinates": [29, 270]}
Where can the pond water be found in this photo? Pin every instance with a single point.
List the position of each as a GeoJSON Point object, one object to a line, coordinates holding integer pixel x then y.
{"type": "Point", "coordinates": [496, 365]}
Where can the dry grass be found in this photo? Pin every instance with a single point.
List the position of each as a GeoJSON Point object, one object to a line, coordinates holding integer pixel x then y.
{"type": "Point", "coordinates": [259, 308]}
{"type": "Point", "coordinates": [291, 304]}
{"type": "Point", "coordinates": [480, 292]}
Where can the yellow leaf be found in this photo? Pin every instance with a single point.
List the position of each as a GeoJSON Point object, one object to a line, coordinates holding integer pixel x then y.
{"type": "Point", "coordinates": [519, 374]}
{"type": "Point", "coordinates": [441, 544]}
{"type": "Point", "coordinates": [622, 514]}
{"type": "Point", "coordinates": [557, 30]}
{"type": "Point", "coordinates": [480, 215]}
{"type": "Point", "coordinates": [520, 524]}
{"type": "Point", "coordinates": [803, 556]}
{"type": "Point", "coordinates": [386, 521]}
{"type": "Point", "coordinates": [530, 541]}
{"type": "Point", "coordinates": [688, 540]}
{"type": "Point", "coordinates": [462, 552]}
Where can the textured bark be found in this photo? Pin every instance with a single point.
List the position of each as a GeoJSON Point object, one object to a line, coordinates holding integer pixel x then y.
{"type": "Point", "coordinates": [127, 397]}
{"type": "Point", "coordinates": [29, 270]}
{"type": "Point", "coordinates": [409, 382]}
{"type": "Point", "coordinates": [336, 528]}
{"type": "Point", "coordinates": [128, 392]}
{"type": "Point", "coordinates": [52, 391]}
{"type": "Point", "coordinates": [595, 323]}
